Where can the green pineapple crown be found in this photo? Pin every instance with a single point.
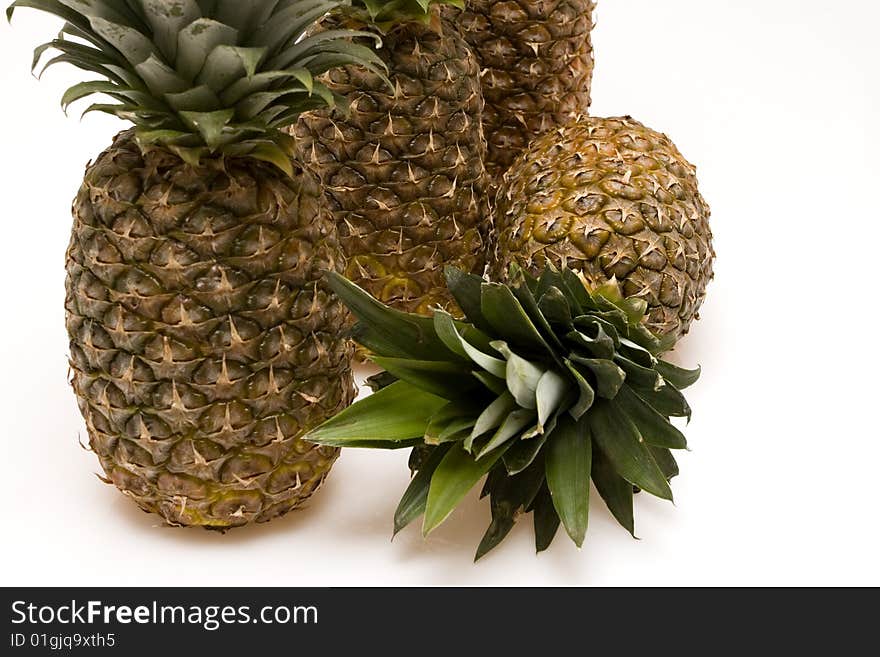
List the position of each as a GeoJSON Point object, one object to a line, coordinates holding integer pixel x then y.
{"type": "Point", "coordinates": [201, 77]}
{"type": "Point", "coordinates": [388, 13]}
{"type": "Point", "coordinates": [544, 386]}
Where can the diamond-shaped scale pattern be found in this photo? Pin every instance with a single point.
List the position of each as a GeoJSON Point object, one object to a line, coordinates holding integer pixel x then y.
{"type": "Point", "coordinates": [537, 67]}
{"type": "Point", "coordinates": [611, 198]}
{"type": "Point", "coordinates": [404, 169]}
{"type": "Point", "coordinates": [203, 341]}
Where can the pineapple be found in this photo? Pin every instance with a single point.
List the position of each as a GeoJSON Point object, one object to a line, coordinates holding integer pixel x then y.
{"type": "Point", "coordinates": [203, 342]}
{"type": "Point", "coordinates": [537, 62]}
{"type": "Point", "coordinates": [404, 167]}
{"type": "Point", "coordinates": [614, 200]}
{"type": "Point", "coordinates": [549, 383]}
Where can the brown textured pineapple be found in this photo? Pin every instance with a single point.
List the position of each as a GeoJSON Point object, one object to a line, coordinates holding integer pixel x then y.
{"type": "Point", "coordinates": [611, 198]}
{"type": "Point", "coordinates": [537, 62]}
{"type": "Point", "coordinates": [203, 342]}
{"type": "Point", "coordinates": [404, 169]}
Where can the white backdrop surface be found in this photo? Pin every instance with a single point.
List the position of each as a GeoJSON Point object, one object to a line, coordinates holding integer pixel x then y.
{"type": "Point", "coordinates": [776, 101]}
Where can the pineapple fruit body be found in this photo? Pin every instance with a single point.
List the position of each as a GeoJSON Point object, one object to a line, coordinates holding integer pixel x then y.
{"type": "Point", "coordinates": [203, 342]}
{"type": "Point", "coordinates": [537, 68]}
{"type": "Point", "coordinates": [611, 199]}
{"type": "Point", "coordinates": [404, 170]}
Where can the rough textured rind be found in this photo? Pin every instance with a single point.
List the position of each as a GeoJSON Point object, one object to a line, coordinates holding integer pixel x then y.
{"type": "Point", "coordinates": [537, 68]}
{"type": "Point", "coordinates": [610, 197]}
{"type": "Point", "coordinates": [404, 171]}
{"type": "Point", "coordinates": [203, 342]}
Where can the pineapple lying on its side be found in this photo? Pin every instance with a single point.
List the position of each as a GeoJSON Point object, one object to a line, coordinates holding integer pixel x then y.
{"type": "Point", "coordinates": [404, 167]}
{"type": "Point", "coordinates": [203, 342]}
{"type": "Point", "coordinates": [546, 385]}
{"type": "Point", "coordinates": [611, 199]}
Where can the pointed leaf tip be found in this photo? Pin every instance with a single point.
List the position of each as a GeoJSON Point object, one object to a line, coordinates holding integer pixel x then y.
{"type": "Point", "coordinates": [616, 491]}
{"type": "Point", "coordinates": [546, 520]}
{"type": "Point", "coordinates": [679, 377]}
{"type": "Point", "coordinates": [394, 414]}
{"type": "Point", "coordinates": [415, 498]}
{"type": "Point", "coordinates": [457, 473]}
{"type": "Point", "coordinates": [617, 436]}
{"type": "Point", "coordinates": [568, 462]}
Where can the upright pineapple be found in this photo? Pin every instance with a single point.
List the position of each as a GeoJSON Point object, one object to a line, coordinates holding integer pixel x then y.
{"type": "Point", "coordinates": [537, 62]}
{"type": "Point", "coordinates": [203, 343]}
{"type": "Point", "coordinates": [611, 199]}
{"type": "Point", "coordinates": [404, 168]}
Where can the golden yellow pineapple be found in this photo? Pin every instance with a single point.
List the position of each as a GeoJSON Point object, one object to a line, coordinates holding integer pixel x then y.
{"type": "Point", "coordinates": [611, 199]}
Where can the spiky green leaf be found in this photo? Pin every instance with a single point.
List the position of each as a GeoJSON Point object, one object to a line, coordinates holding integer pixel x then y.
{"type": "Point", "coordinates": [568, 456]}
{"type": "Point", "coordinates": [466, 289]}
{"type": "Point", "coordinates": [609, 377]}
{"type": "Point", "coordinates": [665, 461]}
{"type": "Point", "coordinates": [656, 429]}
{"type": "Point", "coordinates": [194, 99]}
{"type": "Point", "coordinates": [586, 394]}
{"type": "Point", "coordinates": [457, 473]}
{"type": "Point", "coordinates": [83, 89]}
{"type": "Point", "coordinates": [508, 497]}
{"type": "Point", "coordinates": [446, 329]}
{"type": "Point", "coordinates": [167, 18]}
{"type": "Point", "coordinates": [289, 24]}
{"type": "Point", "coordinates": [524, 452]}
{"type": "Point", "coordinates": [677, 376]}
{"type": "Point", "coordinates": [555, 308]}
{"type": "Point", "coordinates": [546, 520]}
{"type": "Point", "coordinates": [511, 427]}
{"type": "Point", "coordinates": [389, 332]}
{"type": "Point", "coordinates": [616, 491]}
{"type": "Point", "coordinates": [619, 439]}
{"type": "Point", "coordinates": [415, 498]}
{"type": "Point", "coordinates": [666, 400]}
{"type": "Point", "coordinates": [506, 317]}
{"type": "Point", "coordinates": [209, 125]}
{"type": "Point", "coordinates": [637, 353]}
{"type": "Point", "coordinates": [528, 303]}
{"type": "Point", "coordinates": [451, 380]}
{"type": "Point", "coordinates": [450, 420]}
{"type": "Point", "coordinates": [393, 415]}
{"type": "Point", "coordinates": [491, 417]}
{"type": "Point", "coordinates": [198, 40]}
{"type": "Point", "coordinates": [522, 376]}
{"type": "Point", "coordinates": [576, 285]}
{"type": "Point", "coordinates": [551, 392]}
{"type": "Point", "coordinates": [133, 45]}
{"type": "Point", "coordinates": [273, 154]}
{"type": "Point", "coordinates": [638, 375]}
{"type": "Point", "coordinates": [227, 64]}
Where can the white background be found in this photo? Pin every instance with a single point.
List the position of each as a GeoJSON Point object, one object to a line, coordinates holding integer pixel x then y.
{"type": "Point", "coordinates": [776, 101]}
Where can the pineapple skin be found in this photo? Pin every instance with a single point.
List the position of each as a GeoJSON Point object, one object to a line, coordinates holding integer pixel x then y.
{"type": "Point", "coordinates": [611, 198]}
{"type": "Point", "coordinates": [404, 171]}
{"type": "Point", "coordinates": [203, 342]}
{"type": "Point", "coordinates": [537, 68]}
